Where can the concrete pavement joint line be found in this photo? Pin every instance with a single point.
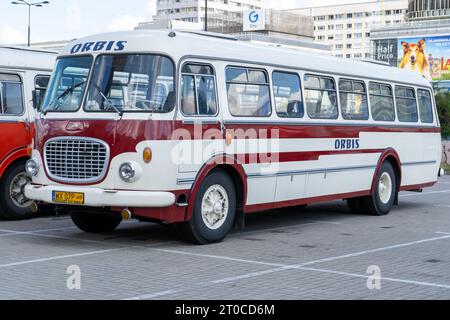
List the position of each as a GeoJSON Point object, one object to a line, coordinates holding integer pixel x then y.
{"type": "Point", "coordinates": [440, 232]}
{"type": "Point", "coordinates": [302, 266]}
{"type": "Point", "coordinates": [246, 233]}
{"type": "Point", "coordinates": [419, 283]}
{"type": "Point", "coordinates": [441, 206]}
{"type": "Point", "coordinates": [89, 253]}
{"type": "Point", "coordinates": [423, 193]}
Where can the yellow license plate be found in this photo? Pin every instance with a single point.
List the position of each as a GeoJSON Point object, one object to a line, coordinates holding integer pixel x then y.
{"type": "Point", "coordinates": [68, 197]}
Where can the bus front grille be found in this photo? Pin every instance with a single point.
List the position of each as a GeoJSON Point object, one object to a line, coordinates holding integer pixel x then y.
{"type": "Point", "coordinates": [75, 159]}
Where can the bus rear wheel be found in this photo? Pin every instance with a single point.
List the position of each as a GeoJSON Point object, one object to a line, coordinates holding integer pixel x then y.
{"type": "Point", "coordinates": [214, 210]}
{"type": "Point", "coordinates": [13, 203]}
{"type": "Point", "coordinates": [96, 222]}
{"type": "Point", "coordinates": [382, 200]}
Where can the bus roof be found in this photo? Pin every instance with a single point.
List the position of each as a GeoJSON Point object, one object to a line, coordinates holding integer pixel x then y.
{"type": "Point", "coordinates": [19, 58]}
{"type": "Point", "coordinates": [178, 44]}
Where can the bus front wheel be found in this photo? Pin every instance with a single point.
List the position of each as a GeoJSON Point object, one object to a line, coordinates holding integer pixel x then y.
{"type": "Point", "coordinates": [13, 203]}
{"type": "Point", "coordinates": [96, 222]}
{"type": "Point", "coordinates": [214, 210]}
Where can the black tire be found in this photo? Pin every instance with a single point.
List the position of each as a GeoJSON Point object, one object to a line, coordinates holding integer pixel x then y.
{"type": "Point", "coordinates": [9, 209]}
{"type": "Point", "coordinates": [197, 230]}
{"type": "Point", "coordinates": [373, 205]}
{"type": "Point", "coordinates": [355, 205]}
{"type": "Point", "coordinates": [96, 222]}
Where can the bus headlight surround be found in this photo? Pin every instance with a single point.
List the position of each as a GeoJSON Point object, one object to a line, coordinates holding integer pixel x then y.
{"type": "Point", "coordinates": [127, 172]}
{"type": "Point", "coordinates": [32, 167]}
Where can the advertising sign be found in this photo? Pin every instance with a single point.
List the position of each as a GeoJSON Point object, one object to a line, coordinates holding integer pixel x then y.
{"type": "Point", "coordinates": [428, 56]}
{"type": "Point", "coordinates": [254, 20]}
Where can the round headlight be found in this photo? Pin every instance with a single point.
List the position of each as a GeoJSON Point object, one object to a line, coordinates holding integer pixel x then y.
{"type": "Point", "coordinates": [32, 167]}
{"type": "Point", "coordinates": [127, 172]}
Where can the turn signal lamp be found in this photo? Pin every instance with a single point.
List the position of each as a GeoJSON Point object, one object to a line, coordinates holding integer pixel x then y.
{"type": "Point", "coordinates": [147, 155]}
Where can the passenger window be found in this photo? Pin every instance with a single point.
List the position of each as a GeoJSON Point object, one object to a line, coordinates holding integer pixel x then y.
{"type": "Point", "coordinates": [40, 87]}
{"type": "Point", "coordinates": [425, 106]}
{"type": "Point", "coordinates": [320, 97]}
{"type": "Point", "coordinates": [381, 102]}
{"type": "Point", "coordinates": [248, 92]}
{"type": "Point", "coordinates": [287, 94]}
{"type": "Point", "coordinates": [353, 97]}
{"type": "Point", "coordinates": [11, 97]}
{"type": "Point", "coordinates": [198, 90]}
{"type": "Point", "coordinates": [406, 104]}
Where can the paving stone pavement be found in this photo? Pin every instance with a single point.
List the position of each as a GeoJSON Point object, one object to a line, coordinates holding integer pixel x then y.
{"type": "Point", "coordinates": [321, 252]}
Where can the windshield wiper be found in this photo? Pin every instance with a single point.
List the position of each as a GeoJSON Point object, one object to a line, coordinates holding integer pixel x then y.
{"type": "Point", "coordinates": [110, 104]}
{"type": "Point", "coordinates": [62, 95]}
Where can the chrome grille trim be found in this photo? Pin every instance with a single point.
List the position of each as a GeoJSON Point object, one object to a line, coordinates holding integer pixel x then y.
{"type": "Point", "coordinates": [76, 159]}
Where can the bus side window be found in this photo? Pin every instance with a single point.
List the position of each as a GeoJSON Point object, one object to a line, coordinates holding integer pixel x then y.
{"type": "Point", "coordinates": [287, 95]}
{"type": "Point", "coordinates": [406, 104]}
{"type": "Point", "coordinates": [11, 97]}
{"type": "Point", "coordinates": [198, 90]}
{"type": "Point", "coordinates": [381, 102]}
{"type": "Point", "coordinates": [353, 97]}
{"type": "Point", "coordinates": [248, 92]}
{"type": "Point", "coordinates": [425, 106]}
{"type": "Point", "coordinates": [40, 87]}
{"type": "Point", "coordinates": [320, 97]}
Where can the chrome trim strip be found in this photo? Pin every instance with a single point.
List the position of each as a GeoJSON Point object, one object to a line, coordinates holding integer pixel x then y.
{"type": "Point", "coordinates": [185, 181]}
{"type": "Point", "coordinates": [418, 163]}
{"type": "Point", "coordinates": [312, 171]}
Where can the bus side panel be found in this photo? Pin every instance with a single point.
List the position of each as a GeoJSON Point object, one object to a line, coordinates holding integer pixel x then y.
{"type": "Point", "coordinates": [14, 136]}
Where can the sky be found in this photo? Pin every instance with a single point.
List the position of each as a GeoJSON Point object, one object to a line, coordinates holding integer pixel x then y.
{"type": "Point", "coordinates": [70, 19]}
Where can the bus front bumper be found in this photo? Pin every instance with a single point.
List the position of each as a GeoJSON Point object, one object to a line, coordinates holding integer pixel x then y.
{"type": "Point", "coordinates": [96, 197]}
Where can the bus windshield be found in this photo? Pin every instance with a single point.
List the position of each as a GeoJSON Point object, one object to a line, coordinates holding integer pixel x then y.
{"type": "Point", "coordinates": [67, 84]}
{"type": "Point", "coordinates": [131, 83]}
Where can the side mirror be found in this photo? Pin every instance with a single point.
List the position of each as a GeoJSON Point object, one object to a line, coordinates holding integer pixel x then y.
{"type": "Point", "coordinates": [35, 100]}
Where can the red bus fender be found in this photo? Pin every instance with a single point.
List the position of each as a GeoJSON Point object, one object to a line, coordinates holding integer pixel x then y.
{"type": "Point", "coordinates": [13, 156]}
{"type": "Point", "coordinates": [211, 164]}
{"type": "Point", "coordinates": [397, 168]}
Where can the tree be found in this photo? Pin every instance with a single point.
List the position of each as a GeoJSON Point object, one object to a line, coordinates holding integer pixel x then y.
{"type": "Point", "coordinates": [443, 105]}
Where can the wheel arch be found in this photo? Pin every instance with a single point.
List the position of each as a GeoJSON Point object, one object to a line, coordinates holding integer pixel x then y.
{"type": "Point", "coordinates": [235, 171]}
{"type": "Point", "coordinates": [12, 159]}
{"type": "Point", "coordinates": [392, 156]}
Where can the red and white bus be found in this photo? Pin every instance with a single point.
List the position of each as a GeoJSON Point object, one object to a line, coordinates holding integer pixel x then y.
{"type": "Point", "coordinates": [180, 127]}
{"type": "Point", "coordinates": [22, 72]}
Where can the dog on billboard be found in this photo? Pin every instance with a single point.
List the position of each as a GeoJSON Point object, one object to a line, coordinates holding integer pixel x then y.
{"type": "Point", "coordinates": [415, 58]}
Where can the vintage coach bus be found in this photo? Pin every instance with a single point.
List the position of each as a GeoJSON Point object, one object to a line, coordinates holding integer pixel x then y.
{"type": "Point", "coordinates": [200, 129]}
{"type": "Point", "coordinates": [24, 73]}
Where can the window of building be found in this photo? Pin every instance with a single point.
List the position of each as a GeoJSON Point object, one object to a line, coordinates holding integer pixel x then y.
{"type": "Point", "coordinates": [349, 25]}
{"type": "Point", "coordinates": [320, 28]}
{"type": "Point", "coordinates": [330, 27]}
{"type": "Point", "coordinates": [349, 15]}
{"type": "Point", "coordinates": [339, 26]}
{"type": "Point", "coordinates": [425, 106]}
{"type": "Point", "coordinates": [287, 95]}
{"type": "Point", "coordinates": [340, 16]}
{"type": "Point", "coordinates": [330, 38]}
{"type": "Point", "coordinates": [381, 102]}
{"type": "Point", "coordinates": [406, 104]}
{"type": "Point", "coordinates": [349, 46]}
{"type": "Point", "coordinates": [11, 98]}
{"type": "Point", "coordinates": [349, 35]}
{"type": "Point", "coordinates": [320, 97]}
{"type": "Point", "coordinates": [358, 25]}
{"type": "Point", "coordinates": [358, 35]}
{"type": "Point", "coordinates": [198, 90]}
{"type": "Point", "coordinates": [348, 55]}
{"type": "Point", "coordinates": [248, 92]}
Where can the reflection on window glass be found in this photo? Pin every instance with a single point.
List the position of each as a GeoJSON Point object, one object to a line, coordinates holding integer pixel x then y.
{"type": "Point", "coordinates": [131, 83]}
{"type": "Point", "coordinates": [248, 92]}
{"type": "Point", "coordinates": [425, 106]}
{"type": "Point", "coordinates": [381, 102]}
{"type": "Point", "coordinates": [40, 87]}
{"type": "Point", "coordinates": [11, 98]}
{"type": "Point", "coordinates": [67, 84]}
{"type": "Point", "coordinates": [320, 97]}
{"type": "Point", "coordinates": [198, 91]}
{"type": "Point", "coordinates": [287, 94]}
{"type": "Point", "coordinates": [353, 97]}
{"type": "Point", "coordinates": [406, 104]}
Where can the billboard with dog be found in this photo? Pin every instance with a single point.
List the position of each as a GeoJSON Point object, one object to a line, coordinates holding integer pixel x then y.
{"type": "Point", "coordinates": [429, 56]}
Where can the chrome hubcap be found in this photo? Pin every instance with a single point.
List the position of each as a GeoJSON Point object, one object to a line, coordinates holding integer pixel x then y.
{"type": "Point", "coordinates": [215, 204]}
{"type": "Point", "coordinates": [16, 190]}
{"type": "Point", "coordinates": [385, 188]}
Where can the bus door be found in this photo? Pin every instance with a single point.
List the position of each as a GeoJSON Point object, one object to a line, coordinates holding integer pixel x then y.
{"type": "Point", "coordinates": [199, 112]}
